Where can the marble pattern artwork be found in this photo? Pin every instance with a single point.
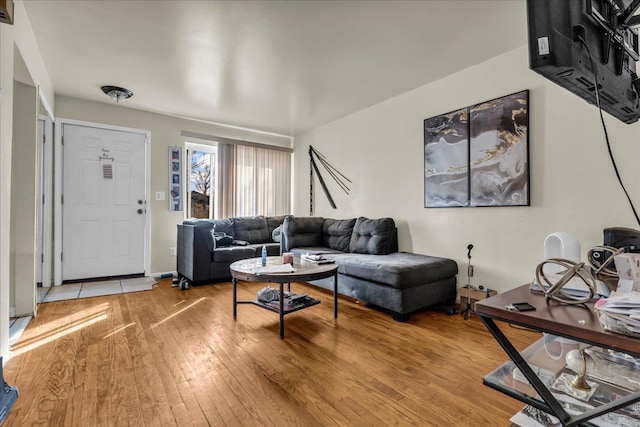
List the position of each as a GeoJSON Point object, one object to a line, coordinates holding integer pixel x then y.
{"type": "Point", "coordinates": [499, 151]}
{"type": "Point", "coordinates": [478, 155]}
{"type": "Point", "coordinates": [446, 154]}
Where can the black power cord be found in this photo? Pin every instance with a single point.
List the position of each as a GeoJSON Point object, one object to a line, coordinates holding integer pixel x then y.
{"type": "Point", "coordinates": [604, 127]}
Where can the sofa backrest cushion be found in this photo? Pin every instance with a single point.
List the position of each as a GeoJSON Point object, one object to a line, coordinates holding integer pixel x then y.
{"type": "Point", "coordinates": [336, 233]}
{"type": "Point", "coordinates": [274, 222]}
{"type": "Point", "coordinates": [224, 225]}
{"type": "Point", "coordinates": [373, 236]}
{"type": "Point", "coordinates": [300, 232]}
{"type": "Point", "coordinates": [252, 229]}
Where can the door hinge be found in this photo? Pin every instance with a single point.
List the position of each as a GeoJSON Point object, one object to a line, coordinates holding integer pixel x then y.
{"type": "Point", "coordinates": [61, 257]}
{"type": "Point", "coordinates": [43, 199]}
{"type": "Point", "coordinates": [44, 139]}
{"type": "Point", "coordinates": [42, 258]}
{"type": "Point", "coordinates": [62, 199]}
{"type": "Point", "coordinates": [62, 139]}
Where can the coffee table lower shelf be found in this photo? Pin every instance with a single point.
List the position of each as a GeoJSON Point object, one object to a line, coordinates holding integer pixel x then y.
{"type": "Point", "coordinates": [309, 302]}
{"type": "Point", "coordinates": [281, 310]}
{"type": "Point", "coordinates": [247, 270]}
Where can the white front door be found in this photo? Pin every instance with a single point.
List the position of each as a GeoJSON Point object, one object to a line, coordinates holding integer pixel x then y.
{"type": "Point", "coordinates": [104, 204]}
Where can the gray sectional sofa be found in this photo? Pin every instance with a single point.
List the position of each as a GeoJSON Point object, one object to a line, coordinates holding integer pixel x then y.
{"type": "Point", "coordinates": [370, 268]}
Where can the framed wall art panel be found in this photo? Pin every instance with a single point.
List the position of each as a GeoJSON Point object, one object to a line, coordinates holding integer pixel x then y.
{"type": "Point", "coordinates": [446, 160]}
{"type": "Point", "coordinates": [478, 155]}
{"type": "Point", "coordinates": [499, 151]}
{"type": "Point", "coordinates": [176, 202]}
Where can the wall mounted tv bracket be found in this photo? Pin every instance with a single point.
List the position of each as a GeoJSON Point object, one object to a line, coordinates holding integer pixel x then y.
{"type": "Point", "coordinates": [615, 23]}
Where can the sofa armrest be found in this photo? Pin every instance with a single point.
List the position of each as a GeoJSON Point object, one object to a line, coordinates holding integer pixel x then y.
{"type": "Point", "coordinates": [195, 251]}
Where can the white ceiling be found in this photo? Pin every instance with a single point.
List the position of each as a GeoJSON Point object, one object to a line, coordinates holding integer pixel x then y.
{"type": "Point", "coordinates": [277, 66]}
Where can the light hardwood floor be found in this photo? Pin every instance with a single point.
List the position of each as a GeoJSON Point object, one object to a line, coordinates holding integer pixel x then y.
{"type": "Point", "coordinates": [171, 357]}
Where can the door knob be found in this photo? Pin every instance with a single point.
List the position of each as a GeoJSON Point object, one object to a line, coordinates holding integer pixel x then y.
{"type": "Point", "coordinates": [140, 202]}
{"type": "Point", "coordinates": [140, 211]}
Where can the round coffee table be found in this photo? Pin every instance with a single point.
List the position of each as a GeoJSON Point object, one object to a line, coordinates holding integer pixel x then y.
{"type": "Point", "coordinates": [250, 270]}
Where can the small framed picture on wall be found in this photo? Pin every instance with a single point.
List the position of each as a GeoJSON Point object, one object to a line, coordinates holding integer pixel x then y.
{"type": "Point", "coordinates": [175, 172]}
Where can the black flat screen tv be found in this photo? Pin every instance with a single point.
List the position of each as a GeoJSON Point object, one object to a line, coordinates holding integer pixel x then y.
{"type": "Point", "coordinates": [556, 28]}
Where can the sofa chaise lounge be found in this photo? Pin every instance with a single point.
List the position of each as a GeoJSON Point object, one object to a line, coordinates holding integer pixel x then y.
{"type": "Point", "coordinates": [370, 268]}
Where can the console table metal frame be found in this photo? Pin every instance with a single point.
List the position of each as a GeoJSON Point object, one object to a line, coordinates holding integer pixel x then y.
{"type": "Point", "coordinates": [305, 271]}
{"type": "Point", "coordinates": [577, 322]}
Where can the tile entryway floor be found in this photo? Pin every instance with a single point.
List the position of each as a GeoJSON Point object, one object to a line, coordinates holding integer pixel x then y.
{"type": "Point", "coordinates": [96, 289]}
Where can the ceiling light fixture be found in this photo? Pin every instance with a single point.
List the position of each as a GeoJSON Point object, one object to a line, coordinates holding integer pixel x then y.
{"type": "Point", "coordinates": [6, 11]}
{"type": "Point", "coordinates": [117, 93]}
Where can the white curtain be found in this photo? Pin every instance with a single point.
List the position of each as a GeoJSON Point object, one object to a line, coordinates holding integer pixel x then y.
{"type": "Point", "coordinates": [226, 180]}
{"type": "Point", "coordinates": [262, 181]}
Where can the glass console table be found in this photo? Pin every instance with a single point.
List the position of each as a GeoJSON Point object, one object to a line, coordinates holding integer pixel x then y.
{"type": "Point", "coordinates": [539, 384]}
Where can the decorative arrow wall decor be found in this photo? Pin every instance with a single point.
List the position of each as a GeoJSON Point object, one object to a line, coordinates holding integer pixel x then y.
{"type": "Point", "coordinates": [337, 176]}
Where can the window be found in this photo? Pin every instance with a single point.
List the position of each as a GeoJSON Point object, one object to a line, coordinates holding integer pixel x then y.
{"type": "Point", "coordinates": [233, 179]}
{"type": "Point", "coordinates": [201, 181]}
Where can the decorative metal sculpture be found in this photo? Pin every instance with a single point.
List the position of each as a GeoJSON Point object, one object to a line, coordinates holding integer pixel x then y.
{"type": "Point", "coordinates": [335, 174]}
{"type": "Point", "coordinates": [552, 284]}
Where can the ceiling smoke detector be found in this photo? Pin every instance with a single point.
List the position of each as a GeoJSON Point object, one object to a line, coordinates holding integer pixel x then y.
{"type": "Point", "coordinates": [117, 93]}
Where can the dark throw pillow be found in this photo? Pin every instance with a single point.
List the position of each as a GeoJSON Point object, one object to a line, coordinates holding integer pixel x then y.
{"type": "Point", "coordinates": [222, 239]}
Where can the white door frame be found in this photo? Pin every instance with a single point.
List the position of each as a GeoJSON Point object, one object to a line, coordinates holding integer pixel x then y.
{"type": "Point", "coordinates": [45, 221]}
{"type": "Point", "coordinates": [59, 175]}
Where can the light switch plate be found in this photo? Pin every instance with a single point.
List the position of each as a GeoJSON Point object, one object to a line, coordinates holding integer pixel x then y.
{"type": "Point", "coordinates": [159, 195]}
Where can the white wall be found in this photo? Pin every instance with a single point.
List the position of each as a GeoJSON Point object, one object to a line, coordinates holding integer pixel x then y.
{"type": "Point", "coordinates": [24, 165]}
{"type": "Point", "coordinates": [165, 132]}
{"type": "Point", "coordinates": [19, 36]}
{"type": "Point", "coordinates": [573, 186]}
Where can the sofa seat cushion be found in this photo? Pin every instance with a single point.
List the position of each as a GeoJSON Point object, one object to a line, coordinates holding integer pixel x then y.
{"type": "Point", "coordinates": [398, 269]}
{"type": "Point", "coordinates": [252, 229]}
{"type": "Point", "coordinates": [233, 253]}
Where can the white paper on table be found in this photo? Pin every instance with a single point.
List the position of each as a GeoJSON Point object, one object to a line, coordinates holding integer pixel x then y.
{"type": "Point", "coordinates": [279, 268]}
{"type": "Point", "coordinates": [624, 286]}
